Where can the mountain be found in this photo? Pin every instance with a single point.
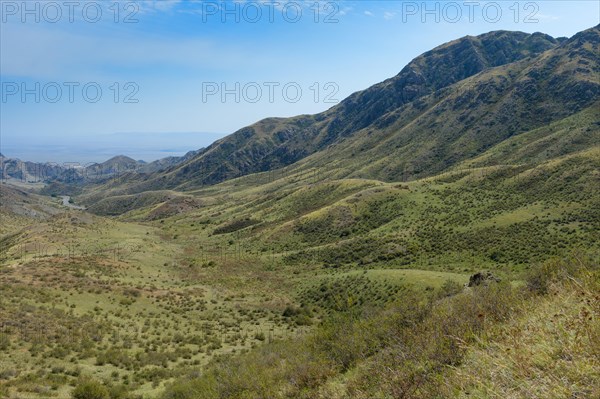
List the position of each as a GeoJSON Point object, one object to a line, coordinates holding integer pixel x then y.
{"type": "Point", "coordinates": [123, 164]}
{"type": "Point", "coordinates": [66, 174]}
{"type": "Point", "coordinates": [167, 162]}
{"type": "Point", "coordinates": [396, 245]}
{"type": "Point", "coordinates": [457, 123]}
{"type": "Point", "coordinates": [32, 172]}
{"type": "Point", "coordinates": [117, 164]}
{"type": "Point", "coordinates": [29, 172]}
{"type": "Point", "coordinates": [447, 105]}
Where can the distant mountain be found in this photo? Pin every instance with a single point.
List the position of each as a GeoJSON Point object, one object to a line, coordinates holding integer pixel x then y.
{"type": "Point", "coordinates": [30, 172]}
{"type": "Point", "coordinates": [446, 106]}
{"type": "Point", "coordinates": [115, 165]}
{"type": "Point", "coordinates": [165, 163]}
{"type": "Point", "coordinates": [49, 172]}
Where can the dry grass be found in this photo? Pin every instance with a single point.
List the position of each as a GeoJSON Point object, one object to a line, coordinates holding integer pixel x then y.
{"type": "Point", "coordinates": [552, 350]}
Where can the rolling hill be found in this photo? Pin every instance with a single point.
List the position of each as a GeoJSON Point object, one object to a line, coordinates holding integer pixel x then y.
{"type": "Point", "coordinates": [333, 255]}
{"type": "Point", "coordinates": [448, 105]}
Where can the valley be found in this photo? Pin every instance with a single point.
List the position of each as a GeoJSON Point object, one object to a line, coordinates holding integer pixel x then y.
{"type": "Point", "coordinates": [329, 255]}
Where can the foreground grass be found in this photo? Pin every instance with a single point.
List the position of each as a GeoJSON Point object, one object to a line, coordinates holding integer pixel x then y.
{"type": "Point", "coordinates": [490, 341]}
{"type": "Point", "coordinates": [551, 349]}
{"type": "Point", "coordinates": [345, 288]}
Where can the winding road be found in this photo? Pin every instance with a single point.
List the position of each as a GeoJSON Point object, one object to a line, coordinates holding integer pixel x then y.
{"type": "Point", "coordinates": [65, 202]}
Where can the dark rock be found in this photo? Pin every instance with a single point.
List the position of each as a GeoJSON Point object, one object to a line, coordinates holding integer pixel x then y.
{"type": "Point", "coordinates": [482, 278]}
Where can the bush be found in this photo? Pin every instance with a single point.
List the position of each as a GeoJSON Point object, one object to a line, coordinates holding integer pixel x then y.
{"type": "Point", "coordinates": [191, 389]}
{"type": "Point", "coordinates": [4, 342]}
{"type": "Point", "coordinates": [119, 392]}
{"type": "Point", "coordinates": [90, 389]}
{"type": "Point", "coordinates": [541, 277]}
{"type": "Point", "coordinates": [449, 288]}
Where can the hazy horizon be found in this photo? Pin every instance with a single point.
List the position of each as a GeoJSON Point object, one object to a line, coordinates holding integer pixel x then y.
{"type": "Point", "coordinates": [176, 66]}
{"type": "Point", "coordinates": [144, 146]}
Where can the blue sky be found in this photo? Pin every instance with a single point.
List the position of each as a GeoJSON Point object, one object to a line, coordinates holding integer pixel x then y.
{"type": "Point", "coordinates": [162, 65]}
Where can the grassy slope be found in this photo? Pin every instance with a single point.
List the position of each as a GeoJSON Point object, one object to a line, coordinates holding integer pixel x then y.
{"type": "Point", "coordinates": [214, 272]}
{"type": "Point", "coordinates": [437, 113]}
{"type": "Point", "coordinates": [120, 292]}
{"type": "Point", "coordinates": [549, 351]}
{"type": "Point", "coordinates": [460, 215]}
{"type": "Point", "coordinates": [499, 341]}
{"type": "Point", "coordinates": [183, 277]}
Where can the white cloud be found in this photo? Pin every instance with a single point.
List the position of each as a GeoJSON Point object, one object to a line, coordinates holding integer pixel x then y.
{"type": "Point", "coordinates": [42, 53]}
{"type": "Point", "coordinates": [545, 17]}
{"type": "Point", "coordinates": [344, 11]}
{"type": "Point", "coordinates": [389, 15]}
{"type": "Point", "coordinates": [368, 13]}
{"type": "Point", "coordinates": [158, 5]}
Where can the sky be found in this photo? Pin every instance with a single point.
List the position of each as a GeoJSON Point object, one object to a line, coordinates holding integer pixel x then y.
{"type": "Point", "coordinates": [84, 80]}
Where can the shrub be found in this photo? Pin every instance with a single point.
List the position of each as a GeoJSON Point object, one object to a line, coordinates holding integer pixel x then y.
{"type": "Point", "coordinates": [90, 389]}
{"type": "Point", "coordinates": [450, 288]}
{"type": "Point", "coordinates": [541, 277]}
{"type": "Point", "coordinates": [4, 341]}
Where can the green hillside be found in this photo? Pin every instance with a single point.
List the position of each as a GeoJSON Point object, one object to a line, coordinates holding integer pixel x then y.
{"type": "Point", "coordinates": [434, 236]}
{"type": "Point", "coordinates": [437, 112]}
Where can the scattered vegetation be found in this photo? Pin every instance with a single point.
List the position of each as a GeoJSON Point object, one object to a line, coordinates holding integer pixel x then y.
{"type": "Point", "coordinates": [432, 346]}
{"type": "Point", "coordinates": [339, 274]}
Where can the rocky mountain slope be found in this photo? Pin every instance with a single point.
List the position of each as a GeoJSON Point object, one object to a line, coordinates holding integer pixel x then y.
{"type": "Point", "coordinates": [446, 106]}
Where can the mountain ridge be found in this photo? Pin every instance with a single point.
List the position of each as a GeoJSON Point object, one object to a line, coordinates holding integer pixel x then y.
{"type": "Point", "coordinates": [514, 66]}
{"type": "Point", "coordinates": [398, 259]}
